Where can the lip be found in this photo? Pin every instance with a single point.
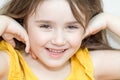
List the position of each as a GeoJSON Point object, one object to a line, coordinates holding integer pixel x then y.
{"type": "Point", "coordinates": [55, 53]}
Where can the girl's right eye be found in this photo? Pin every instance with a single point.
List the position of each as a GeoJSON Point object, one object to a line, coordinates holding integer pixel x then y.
{"type": "Point", "coordinates": [46, 27]}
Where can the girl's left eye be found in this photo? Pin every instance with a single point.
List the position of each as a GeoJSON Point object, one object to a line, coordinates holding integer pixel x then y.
{"type": "Point", "coordinates": [72, 27]}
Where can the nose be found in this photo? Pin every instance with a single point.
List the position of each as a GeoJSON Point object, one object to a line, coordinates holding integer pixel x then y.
{"type": "Point", "coordinates": [59, 38]}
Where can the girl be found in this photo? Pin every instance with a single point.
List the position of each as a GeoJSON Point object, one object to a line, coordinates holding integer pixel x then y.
{"type": "Point", "coordinates": [60, 41]}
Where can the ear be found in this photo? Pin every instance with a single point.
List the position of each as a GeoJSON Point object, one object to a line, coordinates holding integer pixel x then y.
{"type": "Point", "coordinates": [33, 55]}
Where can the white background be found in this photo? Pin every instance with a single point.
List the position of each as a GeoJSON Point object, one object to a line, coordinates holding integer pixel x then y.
{"type": "Point", "coordinates": [113, 7]}
{"type": "Point", "coordinates": [2, 2]}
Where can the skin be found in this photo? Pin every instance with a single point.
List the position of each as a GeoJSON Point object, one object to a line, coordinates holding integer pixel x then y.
{"type": "Point", "coordinates": [54, 44]}
{"type": "Point", "coordinates": [54, 39]}
{"type": "Point", "coordinates": [105, 62]}
{"type": "Point", "coordinates": [10, 31]}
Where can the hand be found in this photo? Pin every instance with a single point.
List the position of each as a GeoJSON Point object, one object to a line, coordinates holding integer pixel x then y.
{"type": "Point", "coordinates": [96, 24]}
{"type": "Point", "coordinates": [10, 29]}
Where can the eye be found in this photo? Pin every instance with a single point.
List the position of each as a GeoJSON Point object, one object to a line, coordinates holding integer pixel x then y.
{"type": "Point", "coordinates": [72, 27]}
{"type": "Point", "coordinates": [45, 27]}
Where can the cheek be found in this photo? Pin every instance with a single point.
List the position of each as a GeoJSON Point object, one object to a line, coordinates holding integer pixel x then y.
{"type": "Point", "coordinates": [38, 38]}
{"type": "Point", "coordinates": [75, 41]}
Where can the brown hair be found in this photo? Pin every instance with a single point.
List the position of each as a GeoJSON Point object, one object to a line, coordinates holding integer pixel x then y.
{"type": "Point", "coordinates": [19, 9]}
{"type": "Point", "coordinates": [90, 8]}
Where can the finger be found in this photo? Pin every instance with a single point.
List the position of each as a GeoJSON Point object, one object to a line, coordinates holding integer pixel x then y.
{"type": "Point", "coordinates": [23, 38]}
{"type": "Point", "coordinates": [19, 32]}
{"type": "Point", "coordinates": [9, 39]}
{"type": "Point", "coordinates": [86, 33]}
{"type": "Point", "coordinates": [15, 29]}
{"type": "Point", "coordinates": [12, 42]}
{"type": "Point", "coordinates": [27, 44]}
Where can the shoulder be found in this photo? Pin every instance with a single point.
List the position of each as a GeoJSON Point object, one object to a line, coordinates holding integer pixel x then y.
{"type": "Point", "coordinates": [106, 64]}
{"type": "Point", "coordinates": [4, 64]}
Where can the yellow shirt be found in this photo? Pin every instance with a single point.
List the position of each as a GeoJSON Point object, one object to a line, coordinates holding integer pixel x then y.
{"type": "Point", "coordinates": [82, 68]}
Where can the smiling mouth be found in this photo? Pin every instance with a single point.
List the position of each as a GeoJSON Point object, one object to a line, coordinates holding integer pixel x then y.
{"type": "Point", "coordinates": [56, 51]}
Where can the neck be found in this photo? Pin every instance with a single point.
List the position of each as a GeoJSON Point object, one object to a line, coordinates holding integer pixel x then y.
{"type": "Point", "coordinates": [42, 71]}
{"type": "Point", "coordinates": [52, 68]}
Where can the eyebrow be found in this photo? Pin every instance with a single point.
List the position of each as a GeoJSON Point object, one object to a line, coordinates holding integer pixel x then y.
{"type": "Point", "coordinates": [48, 21]}
{"type": "Point", "coordinates": [43, 21]}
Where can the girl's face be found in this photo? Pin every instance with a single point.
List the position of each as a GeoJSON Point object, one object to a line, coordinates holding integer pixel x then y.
{"type": "Point", "coordinates": [54, 33]}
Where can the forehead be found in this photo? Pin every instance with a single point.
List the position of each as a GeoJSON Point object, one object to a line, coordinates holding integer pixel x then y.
{"type": "Point", "coordinates": [53, 5]}
{"type": "Point", "coordinates": [54, 8]}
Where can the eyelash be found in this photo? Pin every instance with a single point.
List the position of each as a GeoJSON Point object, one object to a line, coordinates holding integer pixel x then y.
{"type": "Point", "coordinates": [49, 27]}
{"type": "Point", "coordinates": [45, 26]}
{"type": "Point", "coordinates": [72, 27]}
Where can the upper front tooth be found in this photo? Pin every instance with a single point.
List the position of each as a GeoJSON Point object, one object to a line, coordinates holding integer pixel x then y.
{"type": "Point", "coordinates": [56, 51]}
